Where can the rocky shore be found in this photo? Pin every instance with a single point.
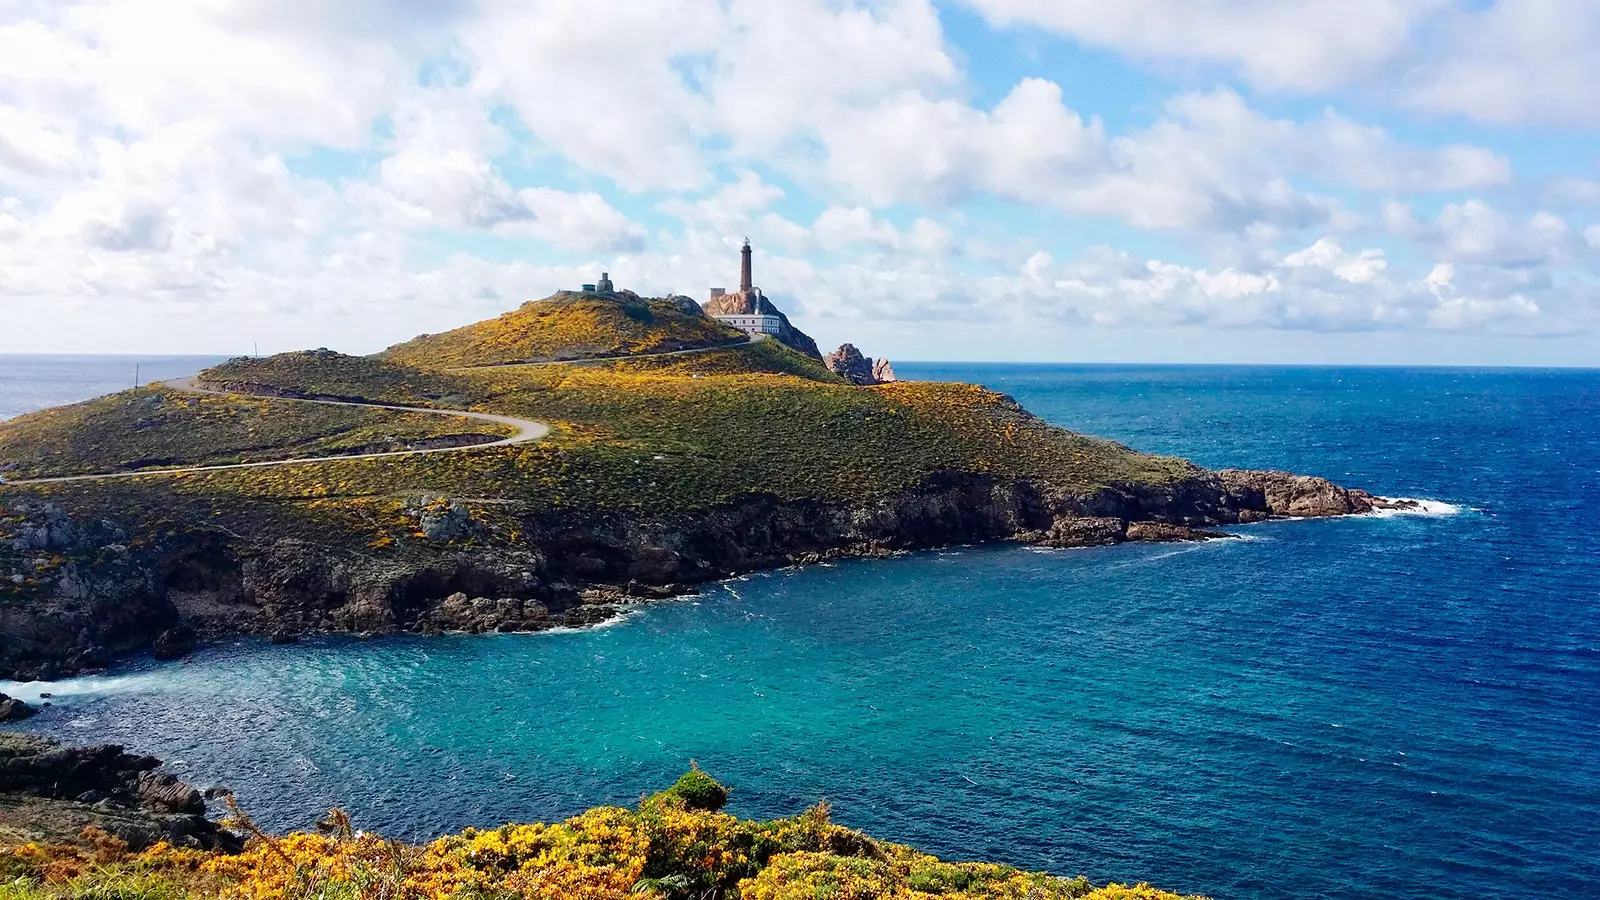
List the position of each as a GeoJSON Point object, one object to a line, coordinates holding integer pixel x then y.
{"type": "Point", "coordinates": [96, 595]}
{"type": "Point", "coordinates": [50, 792]}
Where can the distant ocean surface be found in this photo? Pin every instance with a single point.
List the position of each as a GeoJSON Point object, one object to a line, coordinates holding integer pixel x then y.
{"type": "Point", "coordinates": [29, 383]}
{"type": "Point", "coordinates": [1402, 706]}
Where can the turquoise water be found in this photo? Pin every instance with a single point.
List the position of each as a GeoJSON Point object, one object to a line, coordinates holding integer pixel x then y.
{"type": "Point", "coordinates": [1401, 706]}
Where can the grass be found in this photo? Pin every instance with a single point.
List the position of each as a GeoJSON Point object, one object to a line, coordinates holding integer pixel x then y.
{"type": "Point", "coordinates": [664, 848]}
{"type": "Point", "coordinates": [652, 439]}
{"type": "Point", "coordinates": [321, 373]}
{"type": "Point", "coordinates": [664, 439]}
{"type": "Point", "coordinates": [569, 326]}
{"type": "Point", "coordinates": [157, 427]}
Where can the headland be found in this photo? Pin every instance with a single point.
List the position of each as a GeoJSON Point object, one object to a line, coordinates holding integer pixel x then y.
{"type": "Point", "coordinates": [315, 492]}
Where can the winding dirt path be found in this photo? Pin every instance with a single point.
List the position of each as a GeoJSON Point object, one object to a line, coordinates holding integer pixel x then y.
{"type": "Point", "coordinates": [527, 429]}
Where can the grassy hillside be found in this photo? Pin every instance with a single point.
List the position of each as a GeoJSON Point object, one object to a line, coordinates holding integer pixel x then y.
{"type": "Point", "coordinates": [670, 443]}
{"type": "Point", "coordinates": [655, 438]}
{"type": "Point", "coordinates": [322, 373]}
{"type": "Point", "coordinates": [569, 326]}
{"type": "Point", "coordinates": [155, 427]}
{"type": "Point", "coordinates": [767, 357]}
{"type": "Point", "coordinates": [665, 441]}
{"type": "Point", "coordinates": [676, 845]}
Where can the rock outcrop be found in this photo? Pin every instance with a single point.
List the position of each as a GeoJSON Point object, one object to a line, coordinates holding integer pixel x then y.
{"type": "Point", "coordinates": [572, 570]}
{"type": "Point", "coordinates": [51, 791]}
{"type": "Point", "coordinates": [741, 304]}
{"type": "Point", "coordinates": [14, 710]}
{"type": "Point", "coordinates": [1295, 496]}
{"type": "Point", "coordinates": [849, 363]}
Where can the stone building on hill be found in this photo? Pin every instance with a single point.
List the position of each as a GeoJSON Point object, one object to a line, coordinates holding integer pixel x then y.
{"type": "Point", "coordinates": [603, 286]}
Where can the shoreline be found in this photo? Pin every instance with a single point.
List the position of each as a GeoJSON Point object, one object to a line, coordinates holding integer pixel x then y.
{"type": "Point", "coordinates": [609, 606]}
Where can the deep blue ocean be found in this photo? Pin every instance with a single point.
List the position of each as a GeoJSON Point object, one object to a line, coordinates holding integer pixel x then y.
{"type": "Point", "coordinates": [1400, 706]}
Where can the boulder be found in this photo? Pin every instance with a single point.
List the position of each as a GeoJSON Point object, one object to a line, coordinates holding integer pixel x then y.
{"type": "Point", "coordinates": [848, 363]}
{"type": "Point", "coordinates": [14, 710]}
{"type": "Point", "coordinates": [1166, 533]}
{"type": "Point", "coordinates": [175, 643]}
{"type": "Point", "coordinates": [1087, 531]}
{"type": "Point", "coordinates": [50, 791]}
{"type": "Point", "coordinates": [1287, 494]}
{"type": "Point", "coordinates": [882, 372]}
{"type": "Point", "coordinates": [160, 792]}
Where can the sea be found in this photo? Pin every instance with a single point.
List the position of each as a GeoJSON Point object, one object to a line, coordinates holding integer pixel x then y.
{"type": "Point", "coordinates": [1403, 706]}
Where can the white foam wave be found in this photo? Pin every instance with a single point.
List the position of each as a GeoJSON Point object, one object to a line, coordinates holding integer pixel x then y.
{"type": "Point", "coordinates": [1417, 506]}
{"type": "Point", "coordinates": [90, 685]}
{"type": "Point", "coordinates": [614, 621]}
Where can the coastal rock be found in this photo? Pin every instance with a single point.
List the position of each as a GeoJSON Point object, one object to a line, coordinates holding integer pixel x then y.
{"type": "Point", "coordinates": [175, 643]}
{"type": "Point", "coordinates": [849, 363]}
{"type": "Point", "coordinates": [161, 792]}
{"type": "Point", "coordinates": [739, 303]}
{"type": "Point", "coordinates": [686, 305]}
{"type": "Point", "coordinates": [1297, 496]}
{"type": "Point", "coordinates": [14, 710]}
{"type": "Point", "coordinates": [1165, 533]}
{"type": "Point", "coordinates": [197, 583]}
{"type": "Point", "coordinates": [1090, 531]}
{"type": "Point", "coordinates": [44, 528]}
{"type": "Point", "coordinates": [442, 519]}
{"type": "Point", "coordinates": [50, 791]}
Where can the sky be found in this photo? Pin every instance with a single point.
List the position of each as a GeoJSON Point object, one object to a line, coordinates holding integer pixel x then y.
{"type": "Point", "coordinates": [1236, 181]}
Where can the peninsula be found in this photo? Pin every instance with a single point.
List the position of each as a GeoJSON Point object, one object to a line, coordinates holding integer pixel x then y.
{"type": "Point", "coordinates": [542, 468]}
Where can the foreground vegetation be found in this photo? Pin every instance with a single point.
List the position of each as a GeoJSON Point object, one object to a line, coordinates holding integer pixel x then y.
{"type": "Point", "coordinates": [677, 845]}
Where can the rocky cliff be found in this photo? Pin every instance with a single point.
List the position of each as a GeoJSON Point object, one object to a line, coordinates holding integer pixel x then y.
{"type": "Point", "coordinates": [106, 596]}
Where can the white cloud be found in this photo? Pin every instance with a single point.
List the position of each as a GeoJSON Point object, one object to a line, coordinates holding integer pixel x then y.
{"type": "Point", "coordinates": [1513, 62]}
{"type": "Point", "coordinates": [1211, 162]}
{"type": "Point", "coordinates": [29, 147]}
{"type": "Point", "coordinates": [158, 159]}
{"type": "Point", "coordinates": [1474, 231]}
{"type": "Point", "coordinates": [1356, 268]}
{"type": "Point", "coordinates": [1502, 62]}
{"type": "Point", "coordinates": [783, 68]}
{"type": "Point", "coordinates": [597, 82]}
{"type": "Point", "coordinates": [1300, 44]}
{"type": "Point", "coordinates": [578, 221]}
{"type": "Point", "coordinates": [1320, 288]}
{"type": "Point", "coordinates": [143, 68]}
{"type": "Point", "coordinates": [732, 208]}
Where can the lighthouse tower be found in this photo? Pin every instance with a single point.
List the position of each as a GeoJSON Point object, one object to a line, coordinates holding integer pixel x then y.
{"type": "Point", "coordinates": [746, 287]}
{"type": "Point", "coordinates": [745, 310]}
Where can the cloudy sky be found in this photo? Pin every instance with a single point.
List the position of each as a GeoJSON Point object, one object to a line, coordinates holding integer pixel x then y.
{"type": "Point", "coordinates": [1385, 181]}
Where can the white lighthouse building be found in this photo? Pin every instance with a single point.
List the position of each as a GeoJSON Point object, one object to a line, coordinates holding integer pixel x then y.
{"type": "Point", "coordinates": [749, 311]}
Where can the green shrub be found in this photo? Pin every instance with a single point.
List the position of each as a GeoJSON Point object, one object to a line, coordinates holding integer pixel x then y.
{"type": "Point", "coordinates": [699, 791]}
